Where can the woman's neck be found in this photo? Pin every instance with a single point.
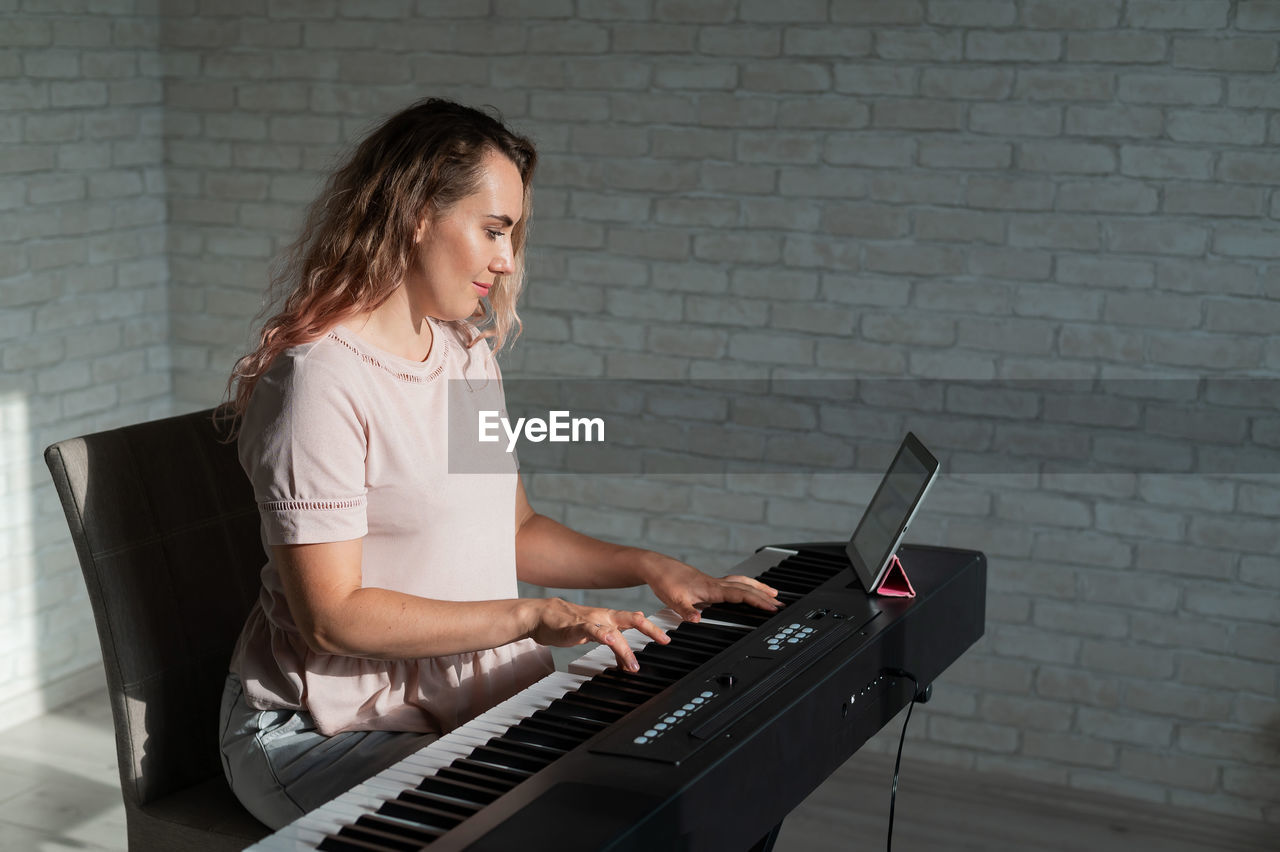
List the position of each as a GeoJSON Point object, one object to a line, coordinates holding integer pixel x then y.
{"type": "Point", "coordinates": [392, 327]}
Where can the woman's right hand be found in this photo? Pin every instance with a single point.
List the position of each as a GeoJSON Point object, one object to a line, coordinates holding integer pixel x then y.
{"type": "Point", "coordinates": [566, 624]}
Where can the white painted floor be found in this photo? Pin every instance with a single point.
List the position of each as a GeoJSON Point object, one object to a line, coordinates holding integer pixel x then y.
{"type": "Point", "coordinates": [59, 786]}
{"type": "Point", "coordinates": [59, 790]}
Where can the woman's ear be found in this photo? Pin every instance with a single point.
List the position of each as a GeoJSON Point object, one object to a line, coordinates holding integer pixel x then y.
{"type": "Point", "coordinates": [420, 231]}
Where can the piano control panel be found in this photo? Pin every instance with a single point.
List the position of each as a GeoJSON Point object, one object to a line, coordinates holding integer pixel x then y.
{"type": "Point", "coordinates": [708, 705]}
{"type": "Point", "coordinates": [673, 720]}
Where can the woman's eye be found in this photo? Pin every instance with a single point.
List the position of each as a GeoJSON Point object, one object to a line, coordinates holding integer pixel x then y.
{"type": "Point", "coordinates": [493, 235]}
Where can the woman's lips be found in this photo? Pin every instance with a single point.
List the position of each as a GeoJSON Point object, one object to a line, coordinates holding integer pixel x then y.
{"type": "Point", "coordinates": [482, 289]}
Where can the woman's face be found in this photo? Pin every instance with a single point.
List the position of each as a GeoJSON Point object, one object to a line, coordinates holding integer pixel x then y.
{"type": "Point", "coordinates": [459, 253]}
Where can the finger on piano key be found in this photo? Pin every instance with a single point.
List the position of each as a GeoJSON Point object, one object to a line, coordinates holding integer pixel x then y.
{"type": "Point", "coordinates": [594, 662]}
{"type": "Point", "coordinates": [667, 619]}
{"type": "Point", "coordinates": [715, 622]}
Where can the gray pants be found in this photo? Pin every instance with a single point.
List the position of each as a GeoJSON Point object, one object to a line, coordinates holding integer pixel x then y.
{"type": "Point", "coordinates": [280, 767]}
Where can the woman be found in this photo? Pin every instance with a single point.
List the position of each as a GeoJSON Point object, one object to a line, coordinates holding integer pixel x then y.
{"type": "Point", "coordinates": [388, 613]}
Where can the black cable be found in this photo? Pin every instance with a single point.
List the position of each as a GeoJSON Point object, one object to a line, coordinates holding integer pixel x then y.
{"type": "Point", "coordinates": [893, 795]}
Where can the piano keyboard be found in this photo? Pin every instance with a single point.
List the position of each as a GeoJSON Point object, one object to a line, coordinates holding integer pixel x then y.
{"type": "Point", "coordinates": [688, 729]}
{"type": "Point", "coordinates": [310, 831]}
{"type": "Point", "coordinates": [471, 765]}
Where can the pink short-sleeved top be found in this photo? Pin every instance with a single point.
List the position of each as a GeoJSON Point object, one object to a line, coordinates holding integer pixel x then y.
{"type": "Point", "coordinates": [343, 441]}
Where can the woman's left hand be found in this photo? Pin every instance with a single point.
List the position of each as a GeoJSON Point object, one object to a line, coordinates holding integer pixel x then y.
{"type": "Point", "coordinates": [684, 588]}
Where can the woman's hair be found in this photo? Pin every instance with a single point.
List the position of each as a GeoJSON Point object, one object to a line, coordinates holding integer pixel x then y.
{"type": "Point", "coordinates": [356, 245]}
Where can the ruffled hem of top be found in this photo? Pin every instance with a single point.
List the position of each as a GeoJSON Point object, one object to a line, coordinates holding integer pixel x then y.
{"type": "Point", "coordinates": [404, 369]}
{"type": "Point", "coordinates": [427, 695]}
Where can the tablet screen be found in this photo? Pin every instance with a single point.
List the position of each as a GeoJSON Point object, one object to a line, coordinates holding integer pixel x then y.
{"type": "Point", "coordinates": [890, 511]}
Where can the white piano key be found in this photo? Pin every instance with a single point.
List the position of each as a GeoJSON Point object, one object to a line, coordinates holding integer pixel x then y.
{"type": "Point", "coordinates": [667, 619]}
{"type": "Point", "coordinates": [729, 624]}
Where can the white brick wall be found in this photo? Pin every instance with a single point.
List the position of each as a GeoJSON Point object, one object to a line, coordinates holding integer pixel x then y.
{"type": "Point", "coordinates": [916, 188]}
{"type": "Point", "coordinates": [83, 304]}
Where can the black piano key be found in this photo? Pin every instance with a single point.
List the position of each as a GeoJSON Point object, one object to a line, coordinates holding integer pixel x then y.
{"type": "Point", "coordinates": [715, 631]}
{"type": "Point", "coordinates": [430, 812]}
{"type": "Point", "coordinates": [667, 669]}
{"type": "Point", "coordinates": [574, 734]}
{"type": "Point", "coordinates": [490, 782]}
{"type": "Point", "coordinates": [420, 834]}
{"type": "Point", "coordinates": [460, 790]}
{"type": "Point", "coordinates": [830, 567]}
{"type": "Point", "coordinates": [585, 728]}
{"type": "Point", "coordinates": [502, 756]}
{"type": "Point", "coordinates": [817, 576]}
{"type": "Point", "coordinates": [532, 735]}
{"type": "Point", "coordinates": [616, 691]}
{"type": "Point", "coordinates": [381, 839]}
{"type": "Point", "coordinates": [784, 585]}
{"type": "Point", "coordinates": [706, 644]}
{"type": "Point", "coordinates": [639, 679]}
{"type": "Point", "coordinates": [737, 614]}
{"type": "Point", "coordinates": [508, 772]}
{"type": "Point", "coordinates": [337, 843]}
{"type": "Point", "coordinates": [586, 709]}
{"type": "Point", "coordinates": [670, 652]}
{"type": "Point", "coordinates": [575, 696]}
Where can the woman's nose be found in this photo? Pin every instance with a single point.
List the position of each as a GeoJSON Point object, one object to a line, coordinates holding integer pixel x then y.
{"type": "Point", "coordinates": [502, 264]}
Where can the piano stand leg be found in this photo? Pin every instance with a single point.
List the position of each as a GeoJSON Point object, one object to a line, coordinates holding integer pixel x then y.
{"type": "Point", "coordinates": [766, 842]}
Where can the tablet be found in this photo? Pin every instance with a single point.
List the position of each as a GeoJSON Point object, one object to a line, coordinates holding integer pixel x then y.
{"type": "Point", "coordinates": [890, 511]}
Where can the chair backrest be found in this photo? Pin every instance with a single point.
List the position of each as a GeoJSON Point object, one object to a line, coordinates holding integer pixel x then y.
{"type": "Point", "coordinates": [166, 529]}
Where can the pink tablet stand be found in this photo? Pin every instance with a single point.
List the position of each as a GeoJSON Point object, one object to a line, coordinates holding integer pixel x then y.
{"type": "Point", "coordinates": [895, 583]}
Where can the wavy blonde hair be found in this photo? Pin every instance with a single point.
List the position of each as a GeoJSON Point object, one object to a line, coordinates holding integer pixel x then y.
{"type": "Point", "coordinates": [356, 244]}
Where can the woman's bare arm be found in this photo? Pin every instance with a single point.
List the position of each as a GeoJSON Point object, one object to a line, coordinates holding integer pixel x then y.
{"type": "Point", "coordinates": [550, 554]}
{"type": "Point", "coordinates": [336, 615]}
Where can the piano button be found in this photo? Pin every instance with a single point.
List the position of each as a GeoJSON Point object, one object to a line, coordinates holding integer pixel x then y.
{"type": "Point", "coordinates": [640, 740]}
{"type": "Point", "coordinates": [707, 694]}
{"type": "Point", "coordinates": [661, 726]}
{"type": "Point", "coordinates": [671, 720]}
{"type": "Point", "coordinates": [698, 700]}
{"type": "Point", "coordinates": [793, 641]}
{"type": "Point", "coordinates": [688, 708]}
{"type": "Point", "coordinates": [652, 732]}
{"type": "Point", "coordinates": [678, 713]}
